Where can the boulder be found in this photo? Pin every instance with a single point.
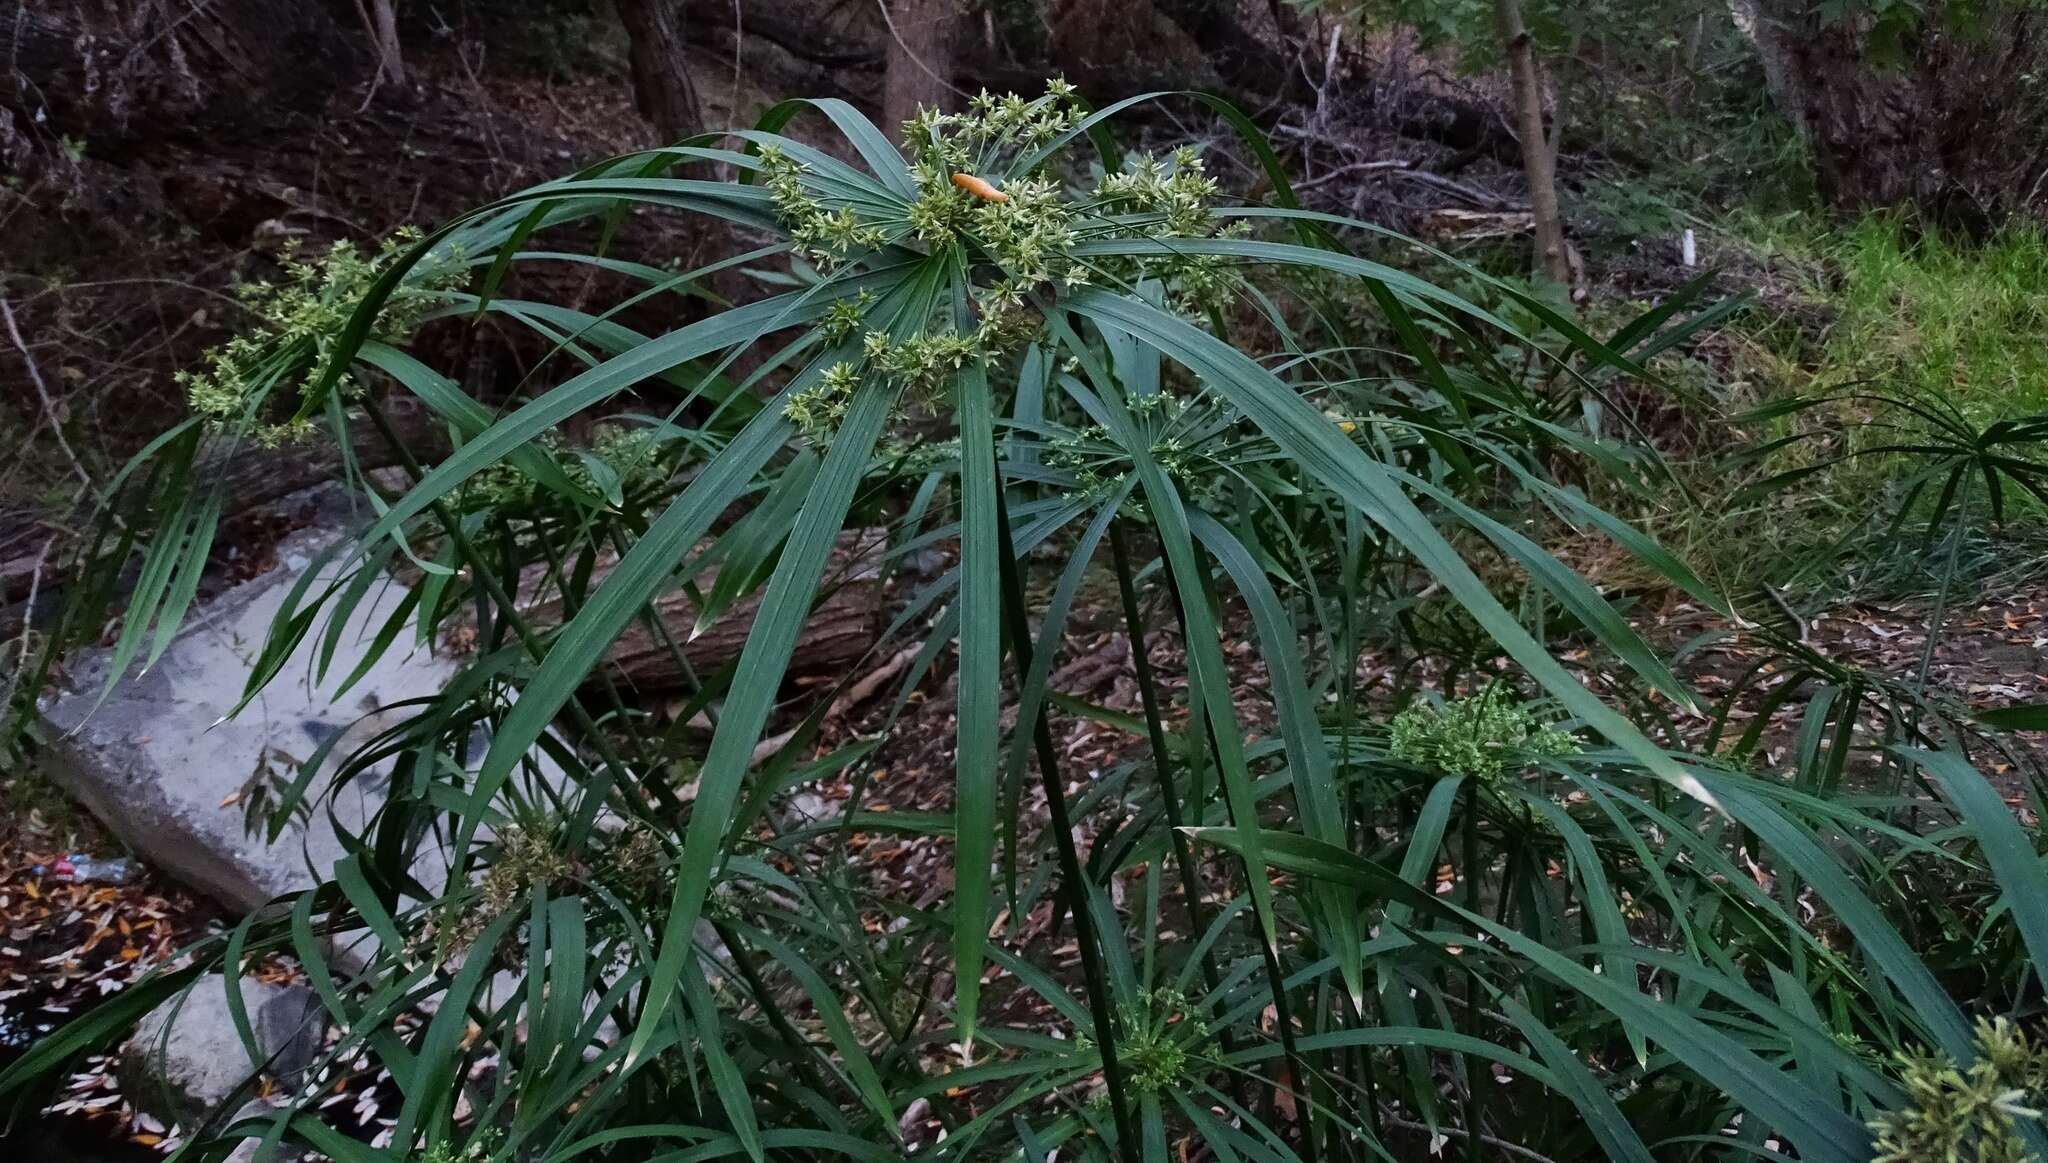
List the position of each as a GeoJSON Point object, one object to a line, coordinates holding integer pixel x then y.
{"type": "Point", "coordinates": [156, 762]}
{"type": "Point", "coordinates": [159, 766]}
{"type": "Point", "coordinates": [186, 1058]}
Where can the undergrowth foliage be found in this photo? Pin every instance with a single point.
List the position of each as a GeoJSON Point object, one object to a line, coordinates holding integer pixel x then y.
{"type": "Point", "coordinates": [1509, 917]}
{"type": "Point", "coordinates": [299, 315]}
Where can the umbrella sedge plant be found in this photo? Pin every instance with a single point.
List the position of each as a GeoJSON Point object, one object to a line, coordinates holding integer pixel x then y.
{"type": "Point", "coordinates": [578, 929]}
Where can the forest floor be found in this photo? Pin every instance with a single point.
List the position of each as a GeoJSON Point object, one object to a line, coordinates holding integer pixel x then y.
{"type": "Point", "coordinates": [68, 944]}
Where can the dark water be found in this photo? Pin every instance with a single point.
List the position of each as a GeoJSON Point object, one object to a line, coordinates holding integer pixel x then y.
{"type": "Point", "coordinates": [34, 1140]}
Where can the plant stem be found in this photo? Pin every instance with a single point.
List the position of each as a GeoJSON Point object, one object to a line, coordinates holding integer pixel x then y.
{"type": "Point", "coordinates": [1162, 760]}
{"type": "Point", "coordinates": [1948, 577]}
{"type": "Point", "coordinates": [1276, 975]}
{"type": "Point", "coordinates": [800, 1049]}
{"type": "Point", "coordinates": [1072, 878]}
{"type": "Point", "coordinates": [1475, 1101]}
{"type": "Point", "coordinates": [1155, 730]}
{"type": "Point", "coordinates": [495, 589]}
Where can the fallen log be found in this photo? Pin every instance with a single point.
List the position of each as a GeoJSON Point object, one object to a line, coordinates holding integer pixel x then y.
{"type": "Point", "coordinates": [844, 624]}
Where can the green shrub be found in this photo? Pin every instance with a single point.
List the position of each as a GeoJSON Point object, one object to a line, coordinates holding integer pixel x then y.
{"type": "Point", "coordinates": [1552, 933]}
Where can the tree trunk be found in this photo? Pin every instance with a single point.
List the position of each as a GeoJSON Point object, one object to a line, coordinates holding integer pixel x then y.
{"type": "Point", "coordinates": [382, 18]}
{"type": "Point", "coordinates": [1113, 48]}
{"type": "Point", "coordinates": [661, 76]}
{"type": "Point", "coordinates": [1949, 122]}
{"type": "Point", "coordinates": [1110, 48]}
{"type": "Point", "coordinates": [919, 59]}
{"type": "Point", "coordinates": [1538, 163]}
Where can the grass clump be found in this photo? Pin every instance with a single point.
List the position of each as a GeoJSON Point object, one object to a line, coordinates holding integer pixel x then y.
{"type": "Point", "coordinates": [1248, 924]}
{"type": "Point", "coordinates": [1921, 312]}
{"type": "Point", "coordinates": [1864, 424]}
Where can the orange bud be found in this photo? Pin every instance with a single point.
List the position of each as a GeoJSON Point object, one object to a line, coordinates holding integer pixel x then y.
{"type": "Point", "coordinates": [979, 188]}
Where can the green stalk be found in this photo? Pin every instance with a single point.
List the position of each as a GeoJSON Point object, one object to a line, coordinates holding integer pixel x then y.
{"type": "Point", "coordinates": [800, 1050]}
{"type": "Point", "coordinates": [1276, 975]}
{"type": "Point", "coordinates": [1073, 884]}
{"type": "Point", "coordinates": [1358, 805]}
{"type": "Point", "coordinates": [1162, 766]}
{"type": "Point", "coordinates": [1475, 1091]}
{"type": "Point", "coordinates": [555, 563]}
{"type": "Point", "coordinates": [1155, 731]}
{"type": "Point", "coordinates": [1934, 624]}
{"type": "Point", "coordinates": [488, 579]}
{"type": "Point", "coordinates": [1948, 577]}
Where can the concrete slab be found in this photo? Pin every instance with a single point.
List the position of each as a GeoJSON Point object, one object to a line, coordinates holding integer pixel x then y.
{"type": "Point", "coordinates": [155, 764]}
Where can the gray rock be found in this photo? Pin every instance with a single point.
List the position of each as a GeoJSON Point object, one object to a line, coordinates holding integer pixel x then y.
{"type": "Point", "coordinates": [251, 1150]}
{"type": "Point", "coordinates": [186, 1057]}
{"type": "Point", "coordinates": [157, 764]}
{"type": "Point", "coordinates": [808, 807]}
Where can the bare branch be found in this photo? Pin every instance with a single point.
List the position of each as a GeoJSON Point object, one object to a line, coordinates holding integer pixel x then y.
{"type": "Point", "coordinates": [35, 376]}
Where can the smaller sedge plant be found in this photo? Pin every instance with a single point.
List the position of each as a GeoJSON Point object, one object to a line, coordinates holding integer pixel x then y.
{"type": "Point", "coordinates": [1957, 1114]}
{"type": "Point", "coordinates": [1476, 736]}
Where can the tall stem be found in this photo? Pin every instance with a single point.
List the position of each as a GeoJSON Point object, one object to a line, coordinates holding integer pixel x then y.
{"type": "Point", "coordinates": [1276, 976]}
{"type": "Point", "coordinates": [1155, 730]}
{"type": "Point", "coordinates": [1073, 884]}
{"type": "Point", "coordinates": [1475, 1091]}
{"type": "Point", "coordinates": [1948, 578]}
{"type": "Point", "coordinates": [1162, 763]}
{"type": "Point", "coordinates": [508, 610]}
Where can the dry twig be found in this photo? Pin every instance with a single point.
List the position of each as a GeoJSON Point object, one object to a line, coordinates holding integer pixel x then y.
{"type": "Point", "coordinates": [35, 376]}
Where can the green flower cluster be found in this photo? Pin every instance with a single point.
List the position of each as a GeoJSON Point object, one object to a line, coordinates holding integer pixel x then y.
{"type": "Point", "coordinates": [920, 365]}
{"type": "Point", "coordinates": [1027, 233]}
{"type": "Point", "coordinates": [1094, 460]}
{"type": "Point", "coordinates": [1956, 1115]}
{"type": "Point", "coordinates": [818, 409]}
{"type": "Point", "coordinates": [299, 316]}
{"type": "Point", "coordinates": [992, 131]}
{"type": "Point", "coordinates": [1178, 190]}
{"type": "Point", "coordinates": [475, 1152]}
{"type": "Point", "coordinates": [1186, 441]}
{"type": "Point", "coordinates": [1163, 1043]}
{"type": "Point", "coordinates": [529, 857]}
{"type": "Point", "coordinates": [1030, 236]}
{"type": "Point", "coordinates": [1167, 1041]}
{"type": "Point", "coordinates": [1174, 198]}
{"type": "Point", "coordinates": [844, 319]}
{"type": "Point", "coordinates": [635, 865]}
{"type": "Point", "coordinates": [1476, 736]}
{"type": "Point", "coordinates": [992, 128]}
{"type": "Point", "coordinates": [1017, 238]}
{"type": "Point", "coordinates": [526, 857]}
{"type": "Point", "coordinates": [826, 237]}
{"type": "Point", "coordinates": [630, 453]}
{"type": "Point", "coordinates": [629, 458]}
